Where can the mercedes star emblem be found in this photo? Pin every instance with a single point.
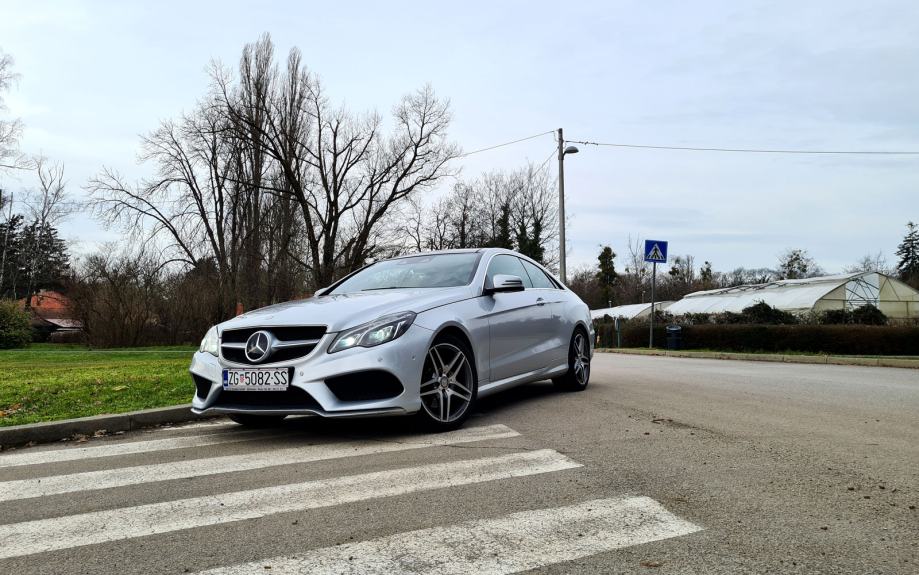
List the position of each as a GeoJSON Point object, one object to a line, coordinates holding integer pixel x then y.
{"type": "Point", "coordinates": [258, 346]}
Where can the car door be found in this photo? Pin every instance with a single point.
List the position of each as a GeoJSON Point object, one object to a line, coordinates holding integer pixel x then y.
{"type": "Point", "coordinates": [514, 319]}
{"type": "Point", "coordinates": [555, 331]}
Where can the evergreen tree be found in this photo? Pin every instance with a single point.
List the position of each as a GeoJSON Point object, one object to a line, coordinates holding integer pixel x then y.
{"type": "Point", "coordinates": [796, 264]}
{"type": "Point", "coordinates": [34, 259]}
{"type": "Point", "coordinates": [529, 241]}
{"type": "Point", "coordinates": [707, 276]}
{"type": "Point", "coordinates": [503, 239]}
{"type": "Point", "coordinates": [10, 257]}
{"type": "Point", "coordinates": [606, 273]}
{"type": "Point", "coordinates": [908, 254]}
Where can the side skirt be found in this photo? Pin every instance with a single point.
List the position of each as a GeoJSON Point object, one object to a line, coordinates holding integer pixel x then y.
{"type": "Point", "coordinates": [537, 375]}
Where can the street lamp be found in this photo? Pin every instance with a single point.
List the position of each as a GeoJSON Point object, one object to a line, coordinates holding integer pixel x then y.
{"type": "Point", "coordinates": [562, 150]}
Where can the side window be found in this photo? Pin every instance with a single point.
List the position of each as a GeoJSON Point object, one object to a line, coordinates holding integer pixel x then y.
{"type": "Point", "coordinates": [538, 277]}
{"type": "Point", "coordinates": [507, 265]}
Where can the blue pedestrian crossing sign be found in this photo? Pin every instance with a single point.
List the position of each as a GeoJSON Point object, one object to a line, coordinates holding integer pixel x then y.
{"type": "Point", "coordinates": [655, 251]}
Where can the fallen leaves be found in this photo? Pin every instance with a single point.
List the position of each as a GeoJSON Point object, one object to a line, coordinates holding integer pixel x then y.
{"type": "Point", "coordinates": [15, 408]}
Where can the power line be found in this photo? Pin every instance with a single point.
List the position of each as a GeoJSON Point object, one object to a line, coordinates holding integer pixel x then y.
{"type": "Point", "coordinates": [505, 144]}
{"type": "Point", "coordinates": [701, 149]}
{"type": "Point", "coordinates": [546, 161]}
{"type": "Point", "coordinates": [750, 150]}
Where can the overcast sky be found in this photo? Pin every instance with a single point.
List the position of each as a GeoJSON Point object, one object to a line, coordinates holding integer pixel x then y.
{"type": "Point", "coordinates": [828, 74]}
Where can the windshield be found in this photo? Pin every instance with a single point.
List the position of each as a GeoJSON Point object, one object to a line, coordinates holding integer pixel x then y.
{"type": "Point", "coordinates": [432, 271]}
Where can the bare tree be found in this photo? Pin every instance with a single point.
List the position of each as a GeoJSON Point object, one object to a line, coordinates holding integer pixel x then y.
{"type": "Point", "coordinates": [516, 209]}
{"type": "Point", "coordinates": [426, 227]}
{"type": "Point", "coordinates": [870, 263]}
{"type": "Point", "coordinates": [345, 175]}
{"type": "Point", "coordinates": [635, 280]}
{"type": "Point", "coordinates": [47, 205]}
{"type": "Point", "coordinates": [745, 276]}
{"type": "Point", "coordinates": [535, 214]}
{"type": "Point", "coordinates": [10, 129]}
{"type": "Point", "coordinates": [270, 187]}
{"type": "Point", "coordinates": [207, 202]}
{"type": "Point", "coordinates": [585, 283]}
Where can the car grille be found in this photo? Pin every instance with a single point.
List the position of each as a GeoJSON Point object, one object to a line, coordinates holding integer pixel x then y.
{"type": "Point", "coordinates": [299, 341]}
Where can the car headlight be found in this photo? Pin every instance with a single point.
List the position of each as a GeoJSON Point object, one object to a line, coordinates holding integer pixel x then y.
{"type": "Point", "coordinates": [381, 330]}
{"type": "Point", "coordinates": [210, 342]}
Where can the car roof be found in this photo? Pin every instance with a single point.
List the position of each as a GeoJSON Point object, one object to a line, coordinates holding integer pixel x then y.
{"type": "Point", "coordinates": [458, 251]}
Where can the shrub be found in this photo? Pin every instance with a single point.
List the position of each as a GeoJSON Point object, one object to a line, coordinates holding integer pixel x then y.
{"type": "Point", "coordinates": [864, 315]}
{"type": "Point", "coordinates": [15, 326]}
{"type": "Point", "coordinates": [762, 312]}
{"type": "Point", "coordinates": [694, 318]}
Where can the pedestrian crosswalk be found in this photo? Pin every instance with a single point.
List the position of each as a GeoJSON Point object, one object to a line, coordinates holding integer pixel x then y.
{"type": "Point", "coordinates": [119, 477]}
{"type": "Point", "coordinates": [231, 434]}
{"type": "Point", "coordinates": [494, 543]}
{"type": "Point", "coordinates": [508, 544]}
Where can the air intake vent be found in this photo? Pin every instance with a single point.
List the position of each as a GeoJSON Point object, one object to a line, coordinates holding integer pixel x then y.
{"type": "Point", "coordinates": [367, 385]}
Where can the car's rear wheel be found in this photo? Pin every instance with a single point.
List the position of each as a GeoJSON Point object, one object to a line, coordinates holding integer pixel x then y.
{"type": "Point", "coordinates": [448, 384]}
{"type": "Point", "coordinates": [255, 420]}
{"type": "Point", "coordinates": [578, 375]}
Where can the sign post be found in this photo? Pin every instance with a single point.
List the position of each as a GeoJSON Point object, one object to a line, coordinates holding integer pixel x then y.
{"type": "Point", "coordinates": [655, 253]}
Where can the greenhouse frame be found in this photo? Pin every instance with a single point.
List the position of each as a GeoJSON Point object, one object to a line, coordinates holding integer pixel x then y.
{"type": "Point", "coordinates": [894, 298]}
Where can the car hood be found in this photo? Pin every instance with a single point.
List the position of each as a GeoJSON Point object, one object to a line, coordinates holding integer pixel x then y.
{"type": "Point", "coordinates": [342, 311]}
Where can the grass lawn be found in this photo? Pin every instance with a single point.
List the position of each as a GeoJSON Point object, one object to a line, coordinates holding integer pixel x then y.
{"type": "Point", "coordinates": [46, 382]}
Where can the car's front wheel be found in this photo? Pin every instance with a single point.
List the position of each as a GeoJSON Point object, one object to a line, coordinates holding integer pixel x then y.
{"type": "Point", "coordinates": [255, 420]}
{"type": "Point", "coordinates": [578, 375]}
{"type": "Point", "coordinates": [448, 384]}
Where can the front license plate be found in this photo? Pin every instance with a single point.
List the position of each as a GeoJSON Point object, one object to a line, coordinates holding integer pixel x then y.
{"type": "Point", "coordinates": [256, 379]}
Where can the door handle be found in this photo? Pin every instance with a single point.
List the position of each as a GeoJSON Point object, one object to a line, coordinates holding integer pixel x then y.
{"type": "Point", "coordinates": [540, 301]}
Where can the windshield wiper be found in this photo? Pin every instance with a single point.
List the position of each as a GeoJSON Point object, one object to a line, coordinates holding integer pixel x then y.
{"type": "Point", "coordinates": [388, 287]}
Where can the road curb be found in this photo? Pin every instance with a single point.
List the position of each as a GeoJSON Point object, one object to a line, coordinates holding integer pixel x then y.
{"type": "Point", "coordinates": [49, 431]}
{"type": "Point", "coordinates": [812, 359]}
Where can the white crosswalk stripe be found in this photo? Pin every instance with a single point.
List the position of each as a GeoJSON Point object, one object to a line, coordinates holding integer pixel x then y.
{"type": "Point", "coordinates": [114, 448]}
{"type": "Point", "coordinates": [17, 539]}
{"type": "Point", "coordinates": [508, 544]}
{"type": "Point", "coordinates": [500, 544]}
{"type": "Point", "coordinates": [108, 478]}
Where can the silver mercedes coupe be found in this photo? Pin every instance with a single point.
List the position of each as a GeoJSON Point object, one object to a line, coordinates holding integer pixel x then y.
{"type": "Point", "coordinates": [424, 334]}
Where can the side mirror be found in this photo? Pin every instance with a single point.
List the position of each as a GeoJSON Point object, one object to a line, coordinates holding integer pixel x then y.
{"type": "Point", "coordinates": [505, 283]}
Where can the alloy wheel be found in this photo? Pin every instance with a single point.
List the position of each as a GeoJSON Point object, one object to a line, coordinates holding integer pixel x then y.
{"type": "Point", "coordinates": [581, 359]}
{"type": "Point", "coordinates": [447, 383]}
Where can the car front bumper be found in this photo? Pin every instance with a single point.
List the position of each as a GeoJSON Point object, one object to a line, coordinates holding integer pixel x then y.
{"type": "Point", "coordinates": [402, 358]}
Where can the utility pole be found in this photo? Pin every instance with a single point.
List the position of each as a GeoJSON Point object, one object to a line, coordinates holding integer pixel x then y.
{"type": "Point", "coordinates": [6, 238]}
{"type": "Point", "coordinates": [561, 207]}
{"type": "Point", "coordinates": [562, 151]}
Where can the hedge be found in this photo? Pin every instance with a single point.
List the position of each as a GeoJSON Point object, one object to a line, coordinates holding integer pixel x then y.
{"type": "Point", "coordinates": [825, 339]}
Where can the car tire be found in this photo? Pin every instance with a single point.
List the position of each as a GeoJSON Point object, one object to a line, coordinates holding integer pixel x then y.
{"type": "Point", "coordinates": [255, 420]}
{"type": "Point", "coordinates": [578, 375]}
{"type": "Point", "coordinates": [449, 384]}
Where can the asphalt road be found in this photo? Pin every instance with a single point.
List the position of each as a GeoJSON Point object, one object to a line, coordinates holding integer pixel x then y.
{"type": "Point", "coordinates": [663, 465]}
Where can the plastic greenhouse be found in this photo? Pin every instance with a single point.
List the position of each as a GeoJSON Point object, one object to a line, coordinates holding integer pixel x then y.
{"type": "Point", "coordinates": [640, 310]}
{"type": "Point", "coordinates": [847, 291]}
